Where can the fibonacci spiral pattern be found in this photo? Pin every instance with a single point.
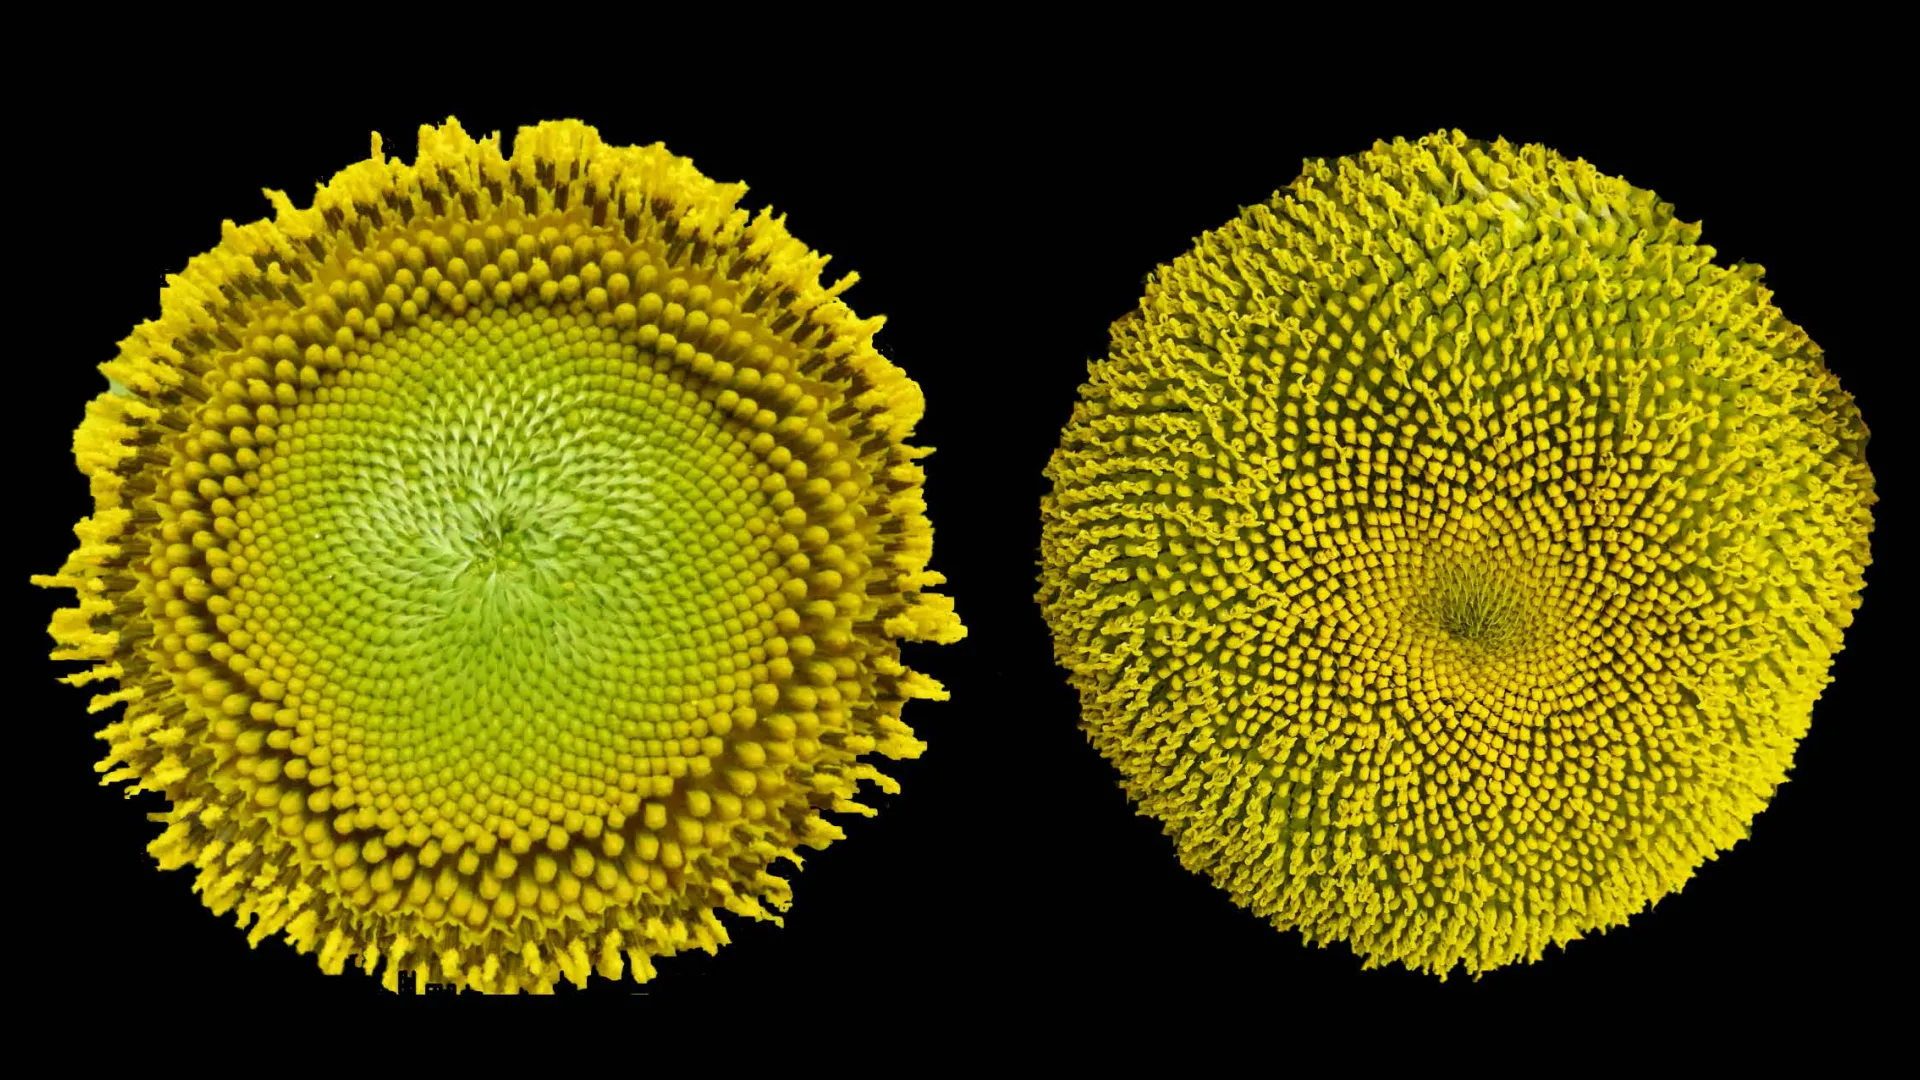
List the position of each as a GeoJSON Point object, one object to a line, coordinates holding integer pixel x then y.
{"type": "Point", "coordinates": [502, 562]}
{"type": "Point", "coordinates": [1450, 554]}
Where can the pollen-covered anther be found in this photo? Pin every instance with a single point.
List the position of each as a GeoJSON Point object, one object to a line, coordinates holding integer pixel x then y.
{"type": "Point", "coordinates": [1449, 552]}
{"type": "Point", "coordinates": [501, 560]}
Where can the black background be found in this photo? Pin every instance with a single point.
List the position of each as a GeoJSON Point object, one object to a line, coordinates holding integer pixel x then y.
{"type": "Point", "coordinates": [1001, 233]}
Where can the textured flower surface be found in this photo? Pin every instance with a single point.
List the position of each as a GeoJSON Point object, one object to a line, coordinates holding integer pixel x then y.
{"type": "Point", "coordinates": [1449, 553]}
{"type": "Point", "coordinates": [503, 562]}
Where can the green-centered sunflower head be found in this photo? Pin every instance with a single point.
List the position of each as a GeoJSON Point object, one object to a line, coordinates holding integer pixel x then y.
{"type": "Point", "coordinates": [1449, 551]}
{"type": "Point", "coordinates": [503, 562]}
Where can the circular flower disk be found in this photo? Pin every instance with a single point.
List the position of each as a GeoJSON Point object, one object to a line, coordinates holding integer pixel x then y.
{"type": "Point", "coordinates": [503, 562]}
{"type": "Point", "coordinates": [1449, 554]}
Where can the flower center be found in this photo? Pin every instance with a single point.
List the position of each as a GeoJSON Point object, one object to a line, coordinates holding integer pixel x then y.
{"type": "Point", "coordinates": [1477, 604]}
{"type": "Point", "coordinates": [1480, 590]}
{"type": "Point", "coordinates": [498, 541]}
{"type": "Point", "coordinates": [498, 545]}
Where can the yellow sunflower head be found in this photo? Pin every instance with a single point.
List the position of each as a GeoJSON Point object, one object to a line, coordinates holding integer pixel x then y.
{"type": "Point", "coordinates": [1449, 552]}
{"type": "Point", "coordinates": [503, 562]}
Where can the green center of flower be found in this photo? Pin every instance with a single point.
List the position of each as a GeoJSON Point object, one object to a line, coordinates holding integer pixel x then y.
{"type": "Point", "coordinates": [512, 526]}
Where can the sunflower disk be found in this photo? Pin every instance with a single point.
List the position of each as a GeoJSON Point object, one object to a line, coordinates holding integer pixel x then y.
{"type": "Point", "coordinates": [503, 562]}
{"type": "Point", "coordinates": [1449, 552]}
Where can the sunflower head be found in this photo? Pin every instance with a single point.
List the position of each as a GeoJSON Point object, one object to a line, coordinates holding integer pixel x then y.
{"type": "Point", "coordinates": [1449, 551]}
{"type": "Point", "coordinates": [502, 562]}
